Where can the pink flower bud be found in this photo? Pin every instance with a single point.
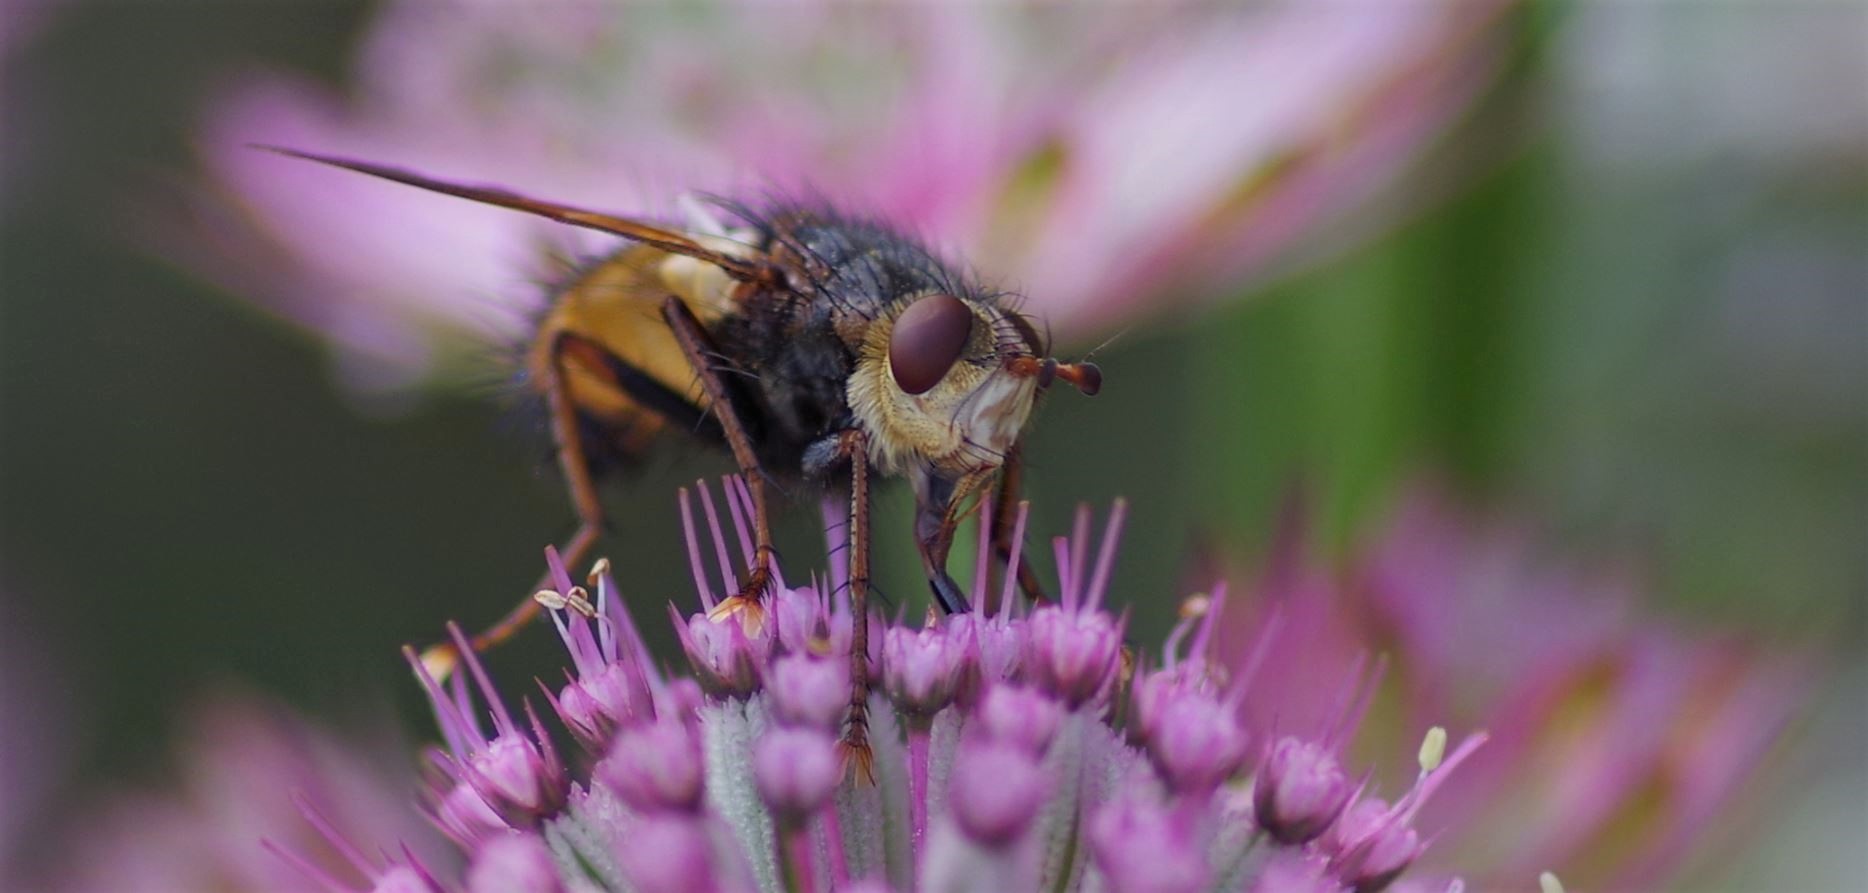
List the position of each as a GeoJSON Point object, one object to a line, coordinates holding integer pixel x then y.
{"type": "Point", "coordinates": [726, 661]}
{"type": "Point", "coordinates": [1299, 792]}
{"type": "Point", "coordinates": [810, 692]}
{"type": "Point", "coordinates": [668, 853]}
{"type": "Point", "coordinates": [1011, 714]}
{"type": "Point", "coordinates": [997, 790]}
{"type": "Point", "coordinates": [513, 862]}
{"type": "Point", "coordinates": [922, 669]}
{"type": "Point", "coordinates": [1373, 846]}
{"type": "Point", "coordinates": [795, 771]}
{"type": "Point", "coordinates": [655, 767]}
{"type": "Point", "coordinates": [1140, 847]}
{"type": "Point", "coordinates": [1072, 653]}
{"type": "Point", "coordinates": [465, 816]}
{"type": "Point", "coordinates": [1197, 744]}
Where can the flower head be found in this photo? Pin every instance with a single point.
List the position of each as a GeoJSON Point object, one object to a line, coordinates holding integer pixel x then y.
{"type": "Point", "coordinates": [1063, 772]}
{"type": "Point", "coordinates": [1028, 781]}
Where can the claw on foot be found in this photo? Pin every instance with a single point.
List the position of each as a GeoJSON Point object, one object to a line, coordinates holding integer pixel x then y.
{"type": "Point", "coordinates": [748, 609]}
{"type": "Point", "coordinates": [858, 760]}
{"type": "Point", "coordinates": [440, 661]}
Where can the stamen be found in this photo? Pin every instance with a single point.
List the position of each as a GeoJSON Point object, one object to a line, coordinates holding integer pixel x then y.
{"type": "Point", "coordinates": [501, 718]}
{"type": "Point", "coordinates": [1191, 608]}
{"type": "Point", "coordinates": [1066, 581]}
{"type": "Point", "coordinates": [1432, 749]}
{"type": "Point", "coordinates": [694, 559]}
{"type": "Point", "coordinates": [1011, 564]}
{"type": "Point", "coordinates": [982, 565]}
{"type": "Point", "coordinates": [719, 539]}
{"type": "Point", "coordinates": [1080, 550]}
{"type": "Point", "coordinates": [732, 484]}
{"type": "Point", "coordinates": [554, 566]}
{"type": "Point", "coordinates": [578, 601]}
{"type": "Point", "coordinates": [1211, 611]}
{"type": "Point", "coordinates": [1548, 883]}
{"type": "Point", "coordinates": [1106, 557]}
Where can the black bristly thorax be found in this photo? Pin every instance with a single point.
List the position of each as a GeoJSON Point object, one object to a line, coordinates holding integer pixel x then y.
{"type": "Point", "coordinates": [794, 348]}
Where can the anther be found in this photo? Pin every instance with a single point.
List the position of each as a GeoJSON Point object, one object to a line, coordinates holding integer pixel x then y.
{"type": "Point", "coordinates": [1432, 749]}
{"type": "Point", "coordinates": [578, 600]}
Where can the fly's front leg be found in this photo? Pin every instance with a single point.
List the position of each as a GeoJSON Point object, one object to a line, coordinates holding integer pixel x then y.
{"type": "Point", "coordinates": [939, 505]}
{"type": "Point", "coordinates": [699, 350]}
{"type": "Point", "coordinates": [1004, 517]}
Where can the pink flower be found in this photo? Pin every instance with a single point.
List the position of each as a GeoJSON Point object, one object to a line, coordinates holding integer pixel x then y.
{"type": "Point", "coordinates": [1096, 158]}
{"type": "Point", "coordinates": [1654, 730]}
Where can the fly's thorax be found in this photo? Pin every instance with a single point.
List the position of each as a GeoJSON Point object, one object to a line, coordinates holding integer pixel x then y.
{"type": "Point", "coordinates": [965, 421]}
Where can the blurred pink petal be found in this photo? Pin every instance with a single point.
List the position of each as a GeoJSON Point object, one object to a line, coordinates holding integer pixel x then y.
{"type": "Point", "coordinates": [241, 763]}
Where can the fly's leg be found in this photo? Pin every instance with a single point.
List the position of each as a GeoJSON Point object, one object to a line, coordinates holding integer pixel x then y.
{"type": "Point", "coordinates": [441, 659]}
{"type": "Point", "coordinates": [937, 519]}
{"type": "Point", "coordinates": [699, 350]}
{"type": "Point", "coordinates": [855, 745]}
{"type": "Point", "coordinates": [1004, 516]}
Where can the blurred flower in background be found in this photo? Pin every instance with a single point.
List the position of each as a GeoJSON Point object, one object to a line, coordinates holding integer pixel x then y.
{"type": "Point", "coordinates": [37, 706]}
{"type": "Point", "coordinates": [1618, 741]}
{"type": "Point", "coordinates": [1098, 158]}
{"type": "Point", "coordinates": [244, 767]}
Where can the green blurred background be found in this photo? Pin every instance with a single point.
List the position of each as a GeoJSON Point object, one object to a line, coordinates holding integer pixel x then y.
{"type": "Point", "coordinates": [1649, 339]}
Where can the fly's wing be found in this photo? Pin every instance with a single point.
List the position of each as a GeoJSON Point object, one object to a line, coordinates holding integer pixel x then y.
{"type": "Point", "coordinates": [604, 337]}
{"type": "Point", "coordinates": [735, 264]}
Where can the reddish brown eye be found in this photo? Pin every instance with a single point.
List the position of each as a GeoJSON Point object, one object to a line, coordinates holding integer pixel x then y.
{"type": "Point", "coordinates": [928, 339]}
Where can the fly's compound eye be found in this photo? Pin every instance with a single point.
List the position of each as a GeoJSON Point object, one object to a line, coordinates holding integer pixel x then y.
{"type": "Point", "coordinates": [928, 339]}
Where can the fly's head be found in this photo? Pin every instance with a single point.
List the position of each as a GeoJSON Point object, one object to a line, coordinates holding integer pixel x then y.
{"type": "Point", "coordinates": [945, 383]}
